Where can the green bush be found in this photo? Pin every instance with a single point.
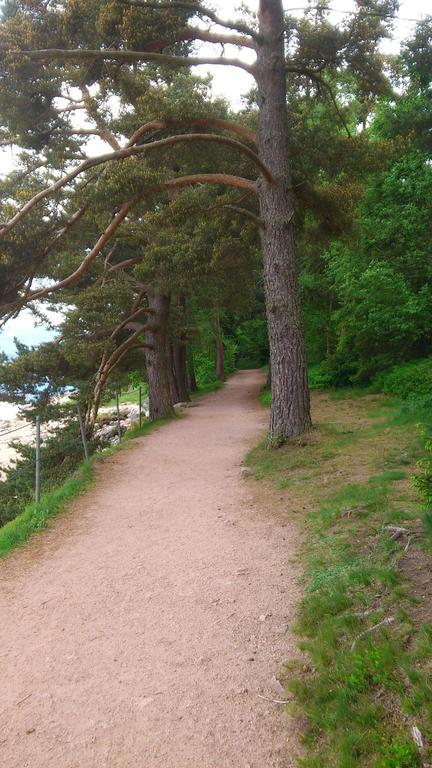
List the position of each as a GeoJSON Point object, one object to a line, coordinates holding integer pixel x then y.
{"type": "Point", "coordinates": [319, 377]}
{"type": "Point", "coordinates": [252, 343]}
{"type": "Point", "coordinates": [205, 362]}
{"type": "Point", "coordinates": [406, 379]}
{"type": "Point", "coordinates": [61, 454]}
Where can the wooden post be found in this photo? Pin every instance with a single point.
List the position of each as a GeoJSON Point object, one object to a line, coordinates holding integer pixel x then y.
{"type": "Point", "coordinates": [38, 460]}
{"type": "Point", "coordinates": [118, 416]}
{"type": "Point", "coordinates": [83, 434]}
{"type": "Point", "coordinates": [140, 407]}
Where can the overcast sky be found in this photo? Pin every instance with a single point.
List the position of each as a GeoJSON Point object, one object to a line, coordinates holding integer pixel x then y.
{"type": "Point", "coordinates": [235, 82]}
{"type": "Point", "coordinates": [232, 83]}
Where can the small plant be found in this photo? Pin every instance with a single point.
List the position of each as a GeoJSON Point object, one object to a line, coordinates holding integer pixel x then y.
{"type": "Point", "coordinates": [423, 482]}
{"type": "Point", "coordinates": [399, 753]}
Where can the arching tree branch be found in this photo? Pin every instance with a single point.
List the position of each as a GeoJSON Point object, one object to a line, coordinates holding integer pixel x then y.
{"type": "Point", "coordinates": [122, 154]}
{"type": "Point", "coordinates": [206, 122]}
{"type": "Point", "coordinates": [88, 260]}
{"type": "Point", "coordinates": [129, 57]}
{"type": "Point", "coordinates": [206, 36]}
{"type": "Point", "coordinates": [198, 10]}
{"type": "Point", "coordinates": [182, 181]}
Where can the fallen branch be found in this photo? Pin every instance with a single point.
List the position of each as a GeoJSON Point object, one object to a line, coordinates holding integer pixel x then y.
{"type": "Point", "coordinates": [363, 614]}
{"type": "Point", "coordinates": [396, 531]}
{"type": "Point", "coordinates": [385, 623]}
{"type": "Point", "coordinates": [274, 701]}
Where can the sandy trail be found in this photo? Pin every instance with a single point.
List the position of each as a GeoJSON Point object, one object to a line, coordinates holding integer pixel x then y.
{"type": "Point", "coordinates": [132, 631]}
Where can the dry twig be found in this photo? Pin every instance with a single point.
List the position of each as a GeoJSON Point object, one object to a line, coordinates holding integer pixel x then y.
{"type": "Point", "coordinates": [385, 623]}
{"type": "Point", "coordinates": [274, 701]}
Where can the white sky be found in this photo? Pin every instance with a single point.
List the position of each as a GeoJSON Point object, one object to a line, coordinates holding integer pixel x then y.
{"type": "Point", "coordinates": [229, 82]}
{"type": "Point", "coordinates": [232, 83]}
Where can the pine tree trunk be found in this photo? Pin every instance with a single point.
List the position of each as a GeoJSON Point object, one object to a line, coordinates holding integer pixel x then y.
{"type": "Point", "coordinates": [180, 372]}
{"type": "Point", "coordinates": [290, 411]}
{"type": "Point", "coordinates": [158, 363]}
{"type": "Point", "coordinates": [179, 354]}
{"type": "Point", "coordinates": [192, 382]}
{"type": "Point", "coordinates": [220, 352]}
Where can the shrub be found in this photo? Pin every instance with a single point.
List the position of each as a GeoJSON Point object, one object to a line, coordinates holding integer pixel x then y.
{"type": "Point", "coordinates": [406, 379]}
{"type": "Point", "coordinates": [61, 454]}
{"type": "Point", "coordinates": [319, 376]}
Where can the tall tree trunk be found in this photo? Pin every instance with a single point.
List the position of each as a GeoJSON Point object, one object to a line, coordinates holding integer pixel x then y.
{"type": "Point", "coordinates": [191, 377]}
{"type": "Point", "coordinates": [220, 352]}
{"type": "Point", "coordinates": [180, 372]}
{"type": "Point", "coordinates": [158, 363]}
{"type": "Point", "coordinates": [290, 411]}
{"type": "Point", "coordinates": [179, 355]}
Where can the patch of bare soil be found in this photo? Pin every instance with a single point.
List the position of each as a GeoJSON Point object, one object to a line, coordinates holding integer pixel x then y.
{"type": "Point", "coordinates": [148, 626]}
{"type": "Point", "coordinates": [416, 566]}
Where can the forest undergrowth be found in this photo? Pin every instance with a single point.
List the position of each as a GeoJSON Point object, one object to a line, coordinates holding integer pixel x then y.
{"type": "Point", "coordinates": [362, 683]}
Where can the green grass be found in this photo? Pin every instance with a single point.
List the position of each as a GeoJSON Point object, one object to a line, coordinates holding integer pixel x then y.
{"type": "Point", "coordinates": [363, 686]}
{"type": "Point", "coordinates": [36, 517]}
{"type": "Point", "coordinates": [359, 693]}
{"type": "Point", "coordinates": [129, 396]}
{"type": "Point", "coordinates": [205, 389]}
{"type": "Point", "coordinates": [265, 397]}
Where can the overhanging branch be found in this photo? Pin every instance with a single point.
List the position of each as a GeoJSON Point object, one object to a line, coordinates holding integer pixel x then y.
{"type": "Point", "coordinates": [183, 181]}
{"type": "Point", "coordinates": [129, 57]}
{"type": "Point", "coordinates": [198, 10]}
{"type": "Point", "coordinates": [122, 154]}
{"type": "Point", "coordinates": [200, 122]}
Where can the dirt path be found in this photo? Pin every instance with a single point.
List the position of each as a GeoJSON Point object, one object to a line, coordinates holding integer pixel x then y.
{"type": "Point", "coordinates": [140, 629]}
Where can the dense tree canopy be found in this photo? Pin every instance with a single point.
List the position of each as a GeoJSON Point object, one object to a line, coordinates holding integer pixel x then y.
{"type": "Point", "coordinates": [117, 64]}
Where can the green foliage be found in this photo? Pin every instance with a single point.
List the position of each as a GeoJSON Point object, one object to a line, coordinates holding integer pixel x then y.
{"type": "Point", "coordinates": [35, 517]}
{"type": "Point", "coordinates": [61, 455]}
{"type": "Point", "coordinates": [251, 343]}
{"type": "Point", "coordinates": [407, 380]}
{"type": "Point", "coordinates": [423, 480]}
{"type": "Point", "coordinates": [367, 294]}
{"type": "Point", "coordinates": [361, 682]}
{"type": "Point", "coordinates": [319, 377]}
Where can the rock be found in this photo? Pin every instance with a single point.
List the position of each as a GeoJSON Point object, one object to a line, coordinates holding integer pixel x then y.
{"type": "Point", "coordinates": [277, 686]}
{"type": "Point", "coordinates": [417, 737]}
{"type": "Point", "coordinates": [246, 472]}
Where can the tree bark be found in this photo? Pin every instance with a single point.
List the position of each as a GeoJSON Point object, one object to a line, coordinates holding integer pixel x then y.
{"type": "Point", "coordinates": [220, 352]}
{"type": "Point", "coordinates": [179, 355]}
{"type": "Point", "coordinates": [157, 355]}
{"type": "Point", "coordinates": [192, 382]}
{"type": "Point", "coordinates": [290, 411]}
{"type": "Point", "coordinates": [180, 372]}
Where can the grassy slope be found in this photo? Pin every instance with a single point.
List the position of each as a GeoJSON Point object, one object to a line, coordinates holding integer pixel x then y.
{"type": "Point", "coordinates": [364, 687]}
{"type": "Point", "coordinates": [35, 517]}
{"type": "Point", "coordinates": [128, 396]}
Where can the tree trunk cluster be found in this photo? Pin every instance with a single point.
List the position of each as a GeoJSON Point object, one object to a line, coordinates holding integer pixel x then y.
{"type": "Point", "coordinates": [169, 363]}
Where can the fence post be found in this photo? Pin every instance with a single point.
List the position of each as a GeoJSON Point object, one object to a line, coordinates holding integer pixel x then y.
{"type": "Point", "coordinates": [82, 430]}
{"type": "Point", "coordinates": [38, 460]}
{"type": "Point", "coordinates": [118, 416]}
{"type": "Point", "coordinates": [140, 407]}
